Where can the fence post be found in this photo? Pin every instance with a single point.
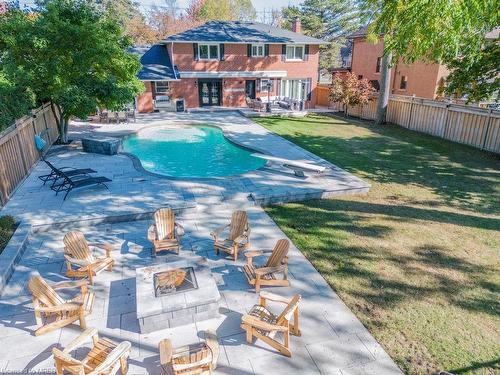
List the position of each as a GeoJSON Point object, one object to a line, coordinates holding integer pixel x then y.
{"type": "Point", "coordinates": [488, 123]}
{"type": "Point", "coordinates": [445, 127]}
{"type": "Point", "coordinates": [21, 151]}
{"type": "Point", "coordinates": [411, 111]}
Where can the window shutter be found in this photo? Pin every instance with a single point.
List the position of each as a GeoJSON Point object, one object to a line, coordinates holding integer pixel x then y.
{"type": "Point", "coordinates": [221, 52]}
{"type": "Point", "coordinates": [309, 91]}
{"type": "Point", "coordinates": [195, 51]}
{"type": "Point", "coordinates": [249, 50]}
{"type": "Point", "coordinates": [257, 85]}
{"type": "Point", "coordinates": [266, 49]}
{"type": "Point", "coordinates": [283, 52]}
{"type": "Point", "coordinates": [306, 52]}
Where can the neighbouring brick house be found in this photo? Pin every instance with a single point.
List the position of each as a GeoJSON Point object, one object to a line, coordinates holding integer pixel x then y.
{"type": "Point", "coordinates": [420, 79]}
{"type": "Point", "coordinates": [221, 62]}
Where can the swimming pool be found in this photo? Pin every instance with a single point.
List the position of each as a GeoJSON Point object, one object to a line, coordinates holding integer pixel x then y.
{"type": "Point", "coordinates": [190, 151]}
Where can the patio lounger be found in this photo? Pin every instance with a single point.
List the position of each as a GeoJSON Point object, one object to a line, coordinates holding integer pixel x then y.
{"type": "Point", "coordinates": [56, 173]}
{"type": "Point", "coordinates": [69, 183]}
{"type": "Point", "coordinates": [299, 168]}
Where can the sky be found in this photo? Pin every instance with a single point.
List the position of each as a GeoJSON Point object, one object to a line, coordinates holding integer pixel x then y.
{"type": "Point", "coordinates": [260, 5]}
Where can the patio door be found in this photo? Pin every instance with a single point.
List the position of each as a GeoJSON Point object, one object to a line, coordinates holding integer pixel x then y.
{"type": "Point", "coordinates": [210, 91]}
{"type": "Point", "coordinates": [250, 88]}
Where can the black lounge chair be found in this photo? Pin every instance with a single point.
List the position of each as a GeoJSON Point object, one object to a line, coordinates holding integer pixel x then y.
{"type": "Point", "coordinates": [57, 173]}
{"type": "Point", "coordinates": [79, 181]}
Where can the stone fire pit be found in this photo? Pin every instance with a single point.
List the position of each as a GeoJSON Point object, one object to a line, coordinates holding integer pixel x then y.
{"type": "Point", "coordinates": [175, 293]}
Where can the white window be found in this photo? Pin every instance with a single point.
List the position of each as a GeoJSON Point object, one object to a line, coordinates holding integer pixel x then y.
{"type": "Point", "coordinates": [266, 84]}
{"type": "Point", "coordinates": [208, 51]}
{"type": "Point", "coordinates": [162, 87]}
{"type": "Point", "coordinates": [294, 52]}
{"type": "Point", "coordinates": [257, 50]}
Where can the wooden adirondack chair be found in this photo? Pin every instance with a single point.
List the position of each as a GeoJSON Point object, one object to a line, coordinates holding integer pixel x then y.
{"type": "Point", "coordinates": [50, 305]}
{"type": "Point", "coordinates": [265, 325]}
{"type": "Point", "coordinates": [165, 234]}
{"type": "Point", "coordinates": [105, 357]}
{"type": "Point", "coordinates": [276, 264]}
{"type": "Point", "coordinates": [198, 358]}
{"type": "Point", "coordinates": [79, 253]}
{"type": "Point", "coordinates": [238, 236]}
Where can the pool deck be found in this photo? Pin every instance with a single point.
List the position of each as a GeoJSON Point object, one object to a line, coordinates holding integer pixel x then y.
{"type": "Point", "coordinates": [333, 340]}
{"type": "Point", "coordinates": [134, 191]}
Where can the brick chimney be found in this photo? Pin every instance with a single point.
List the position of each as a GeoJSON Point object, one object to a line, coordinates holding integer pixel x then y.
{"type": "Point", "coordinates": [296, 25]}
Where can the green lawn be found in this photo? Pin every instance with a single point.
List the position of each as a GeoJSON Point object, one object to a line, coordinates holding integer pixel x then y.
{"type": "Point", "coordinates": [417, 259]}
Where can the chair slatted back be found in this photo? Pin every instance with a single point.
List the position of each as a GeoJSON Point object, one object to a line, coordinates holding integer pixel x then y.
{"type": "Point", "coordinates": [239, 224]}
{"type": "Point", "coordinates": [44, 292]}
{"type": "Point", "coordinates": [76, 246]}
{"type": "Point", "coordinates": [286, 315]}
{"type": "Point", "coordinates": [165, 223]}
{"type": "Point", "coordinates": [194, 357]}
{"type": "Point", "coordinates": [279, 253]}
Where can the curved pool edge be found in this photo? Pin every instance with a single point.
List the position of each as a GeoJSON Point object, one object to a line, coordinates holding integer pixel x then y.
{"type": "Point", "coordinates": [137, 164]}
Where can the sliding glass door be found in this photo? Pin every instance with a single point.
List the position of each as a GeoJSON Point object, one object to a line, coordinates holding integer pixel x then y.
{"type": "Point", "coordinates": [296, 89]}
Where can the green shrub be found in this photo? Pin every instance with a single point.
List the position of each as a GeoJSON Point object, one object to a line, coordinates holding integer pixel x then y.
{"type": "Point", "coordinates": [7, 222]}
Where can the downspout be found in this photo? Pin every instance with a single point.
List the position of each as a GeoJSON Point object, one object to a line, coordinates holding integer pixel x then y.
{"type": "Point", "coordinates": [394, 77]}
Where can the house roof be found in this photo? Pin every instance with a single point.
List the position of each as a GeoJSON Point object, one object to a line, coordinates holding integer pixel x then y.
{"type": "Point", "coordinates": [240, 32]}
{"type": "Point", "coordinates": [156, 64]}
{"type": "Point", "coordinates": [361, 32]}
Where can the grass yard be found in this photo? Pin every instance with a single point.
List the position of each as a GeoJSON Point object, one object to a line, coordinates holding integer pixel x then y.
{"type": "Point", "coordinates": [417, 259]}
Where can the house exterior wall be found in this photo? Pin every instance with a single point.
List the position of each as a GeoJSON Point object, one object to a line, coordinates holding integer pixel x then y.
{"type": "Point", "coordinates": [422, 78]}
{"type": "Point", "coordinates": [145, 100]}
{"type": "Point", "coordinates": [235, 59]}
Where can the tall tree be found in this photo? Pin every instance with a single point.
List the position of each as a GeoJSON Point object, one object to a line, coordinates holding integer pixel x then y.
{"type": "Point", "coordinates": [330, 20]}
{"type": "Point", "coordinates": [227, 10]}
{"type": "Point", "coordinates": [71, 55]}
{"type": "Point", "coordinates": [442, 31]}
{"type": "Point", "coordinates": [129, 16]}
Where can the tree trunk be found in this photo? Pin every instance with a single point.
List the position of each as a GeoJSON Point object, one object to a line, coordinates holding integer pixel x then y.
{"type": "Point", "coordinates": [385, 89]}
{"type": "Point", "coordinates": [63, 129]}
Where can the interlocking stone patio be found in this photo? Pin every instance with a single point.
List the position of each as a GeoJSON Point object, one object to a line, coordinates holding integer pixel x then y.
{"type": "Point", "coordinates": [333, 341]}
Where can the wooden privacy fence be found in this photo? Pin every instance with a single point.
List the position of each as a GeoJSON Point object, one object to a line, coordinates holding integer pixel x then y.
{"type": "Point", "coordinates": [18, 153]}
{"type": "Point", "coordinates": [473, 126]}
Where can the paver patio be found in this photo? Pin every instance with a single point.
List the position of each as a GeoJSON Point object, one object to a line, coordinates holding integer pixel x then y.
{"type": "Point", "coordinates": [333, 341]}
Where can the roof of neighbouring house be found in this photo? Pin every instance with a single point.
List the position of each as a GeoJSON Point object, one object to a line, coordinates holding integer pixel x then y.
{"type": "Point", "coordinates": [240, 32]}
{"type": "Point", "coordinates": [156, 64]}
{"type": "Point", "coordinates": [361, 32]}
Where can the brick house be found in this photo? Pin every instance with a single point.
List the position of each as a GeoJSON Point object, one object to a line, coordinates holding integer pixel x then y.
{"type": "Point", "coordinates": [220, 63]}
{"type": "Point", "coordinates": [419, 78]}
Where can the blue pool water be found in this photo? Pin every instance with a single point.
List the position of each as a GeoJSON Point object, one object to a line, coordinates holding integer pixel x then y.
{"type": "Point", "coordinates": [191, 151]}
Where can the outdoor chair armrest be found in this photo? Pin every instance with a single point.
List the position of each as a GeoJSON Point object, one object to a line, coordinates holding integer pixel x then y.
{"type": "Point", "coordinates": [83, 337]}
{"type": "Point", "coordinates": [274, 297]}
{"type": "Point", "coordinates": [267, 270]}
{"type": "Point", "coordinates": [63, 307]}
{"type": "Point", "coordinates": [252, 254]}
{"type": "Point", "coordinates": [112, 358]}
{"type": "Point", "coordinates": [166, 351]}
{"type": "Point", "coordinates": [179, 230]}
{"type": "Point", "coordinates": [61, 355]}
{"type": "Point", "coordinates": [69, 284]}
{"type": "Point", "coordinates": [217, 232]}
{"type": "Point", "coordinates": [257, 323]}
{"type": "Point", "coordinates": [107, 247]}
{"type": "Point", "coordinates": [78, 262]}
{"type": "Point", "coordinates": [152, 233]}
{"type": "Point", "coordinates": [257, 253]}
{"type": "Point", "coordinates": [240, 240]}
